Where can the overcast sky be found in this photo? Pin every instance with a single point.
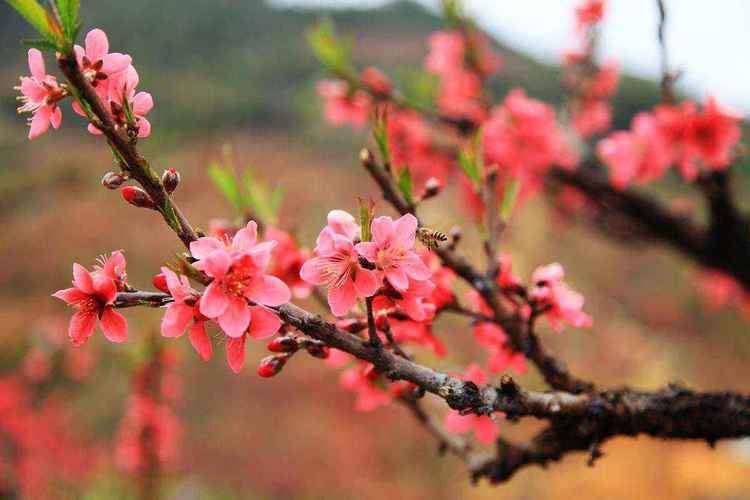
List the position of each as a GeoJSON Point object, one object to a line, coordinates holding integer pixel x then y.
{"type": "Point", "coordinates": [708, 40]}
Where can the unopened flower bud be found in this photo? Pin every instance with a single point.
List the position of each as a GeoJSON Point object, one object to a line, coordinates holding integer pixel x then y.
{"type": "Point", "coordinates": [432, 187]}
{"type": "Point", "coordinates": [376, 81]}
{"type": "Point", "coordinates": [283, 344]}
{"type": "Point", "coordinates": [137, 197]}
{"type": "Point", "coordinates": [271, 365]}
{"type": "Point", "coordinates": [160, 282]}
{"type": "Point", "coordinates": [113, 180]}
{"type": "Point", "coordinates": [317, 350]}
{"type": "Point", "coordinates": [170, 179]}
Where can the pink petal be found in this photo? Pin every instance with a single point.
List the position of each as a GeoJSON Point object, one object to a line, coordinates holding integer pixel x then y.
{"type": "Point", "coordinates": [315, 271]}
{"type": "Point", "coordinates": [214, 301]}
{"type": "Point", "coordinates": [142, 103]}
{"type": "Point", "coordinates": [105, 288]}
{"type": "Point", "coordinates": [261, 254]}
{"type": "Point", "coordinates": [70, 296]}
{"type": "Point", "coordinates": [264, 323]}
{"type": "Point", "coordinates": [415, 267]}
{"type": "Point", "coordinates": [405, 230]}
{"type": "Point", "coordinates": [366, 282]}
{"type": "Point", "coordinates": [217, 263]}
{"type": "Point", "coordinates": [342, 298]}
{"type": "Point", "coordinates": [176, 319]}
{"type": "Point", "coordinates": [368, 250]}
{"type": "Point", "coordinates": [382, 230]}
{"type": "Point", "coordinates": [114, 325]}
{"type": "Point", "coordinates": [269, 290]}
{"type": "Point", "coordinates": [56, 118]}
{"type": "Point", "coordinates": [397, 277]}
{"type": "Point", "coordinates": [485, 429]}
{"type": "Point", "coordinates": [97, 45]}
{"type": "Point", "coordinates": [324, 245]}
{"type": "Point", "coordinates": [36, 64]}
{"type": "Point", "coordinates": [235, 320]}
{"type": "Point", "coordinates": [115, 62]}
{"type": "Point", "coordinates": [144, 128]}
{"type": "Point", "coordinates": [457, 423]}
{"type": "Point", "coordinates": [200, 341]}
{"type": "Point", "coordinates": [203, 247]}
{"type": "Point", "coordinates": [246, 237]}
{"type": "Point", "coordinates": [39, 122]}
{"type": "Point", "coordinates": [82, 279]}
{"type": "Point", "coordinates": [236, 353]}
{"type": "Point", "coordinates": [178, 286]}
{"type": "Point", "coordinates": [81, 326]}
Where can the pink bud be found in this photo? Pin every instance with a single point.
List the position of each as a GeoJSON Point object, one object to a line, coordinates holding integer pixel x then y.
{"type": "Point", "coordinates": [170, 179]}
{"type": "Point", "coordinates": [113, 180]}
{"type": "Point", "coordinates": [272, 365]}
{"type": "Point", "coordinates": [137, 197]}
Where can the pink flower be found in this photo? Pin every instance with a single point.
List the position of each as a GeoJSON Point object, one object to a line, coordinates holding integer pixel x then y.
{"type": "Point", "coordinates": [484, 428]}
{"type": "Point", "coordinates": [360, 380]}
{"type": "Point", "coordinates": [589, 12]}
{"type": "Point", "coordinates": [414, 301]}
{"type": "Point", "coordinates": [416, 332]}
{"type": "Point", "coordinates": [97, 64]}
{"type": "Point", "coordinates": [376, 81]}
{"type": "Point", "coordinates": [336, 265]}
{"type": "Point", "coordinates": [640, 154]}
{"type": "Point", "coordinates": [591, 116]}
{"type": "Point", "coordinates": [184, 309]}
{"type": "Point", "coordinates": [93, 296]}
{"type": "Point", "coordinates": [447, 50]}
{"type": "Point", "coordinates": [238, 269]}
{"type": "Point", "coordinates": [392, 250]}
{"type": "Point", "coordinates": [121, 90]}
{"type": "Point", "coordinates": [341, 106]}
{"type": "Point", "coordinates": [564, 304]}
{"type": "Point", "coordinates": [523, 137]}
{"type": "Point", "coordinates": [40, 94]}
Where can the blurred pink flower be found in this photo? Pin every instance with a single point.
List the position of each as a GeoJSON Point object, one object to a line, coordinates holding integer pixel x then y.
{"type": "Point", "coordinates": [564, 304]}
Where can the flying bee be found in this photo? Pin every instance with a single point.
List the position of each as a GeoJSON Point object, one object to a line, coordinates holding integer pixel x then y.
{"type": "Point", "coordinates": [431, 238]}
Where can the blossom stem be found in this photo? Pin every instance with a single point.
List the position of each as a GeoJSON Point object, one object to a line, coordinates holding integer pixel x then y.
{"type": "Point", "coordinates": [371, 329]}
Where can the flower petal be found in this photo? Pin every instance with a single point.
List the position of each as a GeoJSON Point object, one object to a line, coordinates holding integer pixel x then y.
{"type": "Point", "coordinates": [97, 45]}
{"type": "Point", "coordinates": [114, 325]}
{"type": "Point", "coordinates": [176, 319]}
{"type": "Point", "coordinates": [269, 290]}
{"type": "Point", "coordinates": [236, 353]}
{"type": "Point", "coordinates": [203, 247]}
{"type": "Point", "coordinates": [366, 282]}
{"type": "Point", "coordinates": [36, 64]}
{"type": "Point", "coordinates": [246, 237]}
{"type": "Point", "coordinates": [200, 341]}
{"type": "Point", "coordinates": [264, 323]}
{"type": "Point", "coordinates": [81, 326]}
{"type": "Point", "coordinates": [235, 320]}
{"type": "Point", "coordinates": [82, 279]}
{"type": "Point", "coordinates": [214, 301]}
{"type": "Point", "coordinates": [342, 298]}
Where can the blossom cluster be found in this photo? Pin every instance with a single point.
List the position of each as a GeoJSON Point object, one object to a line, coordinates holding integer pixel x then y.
{"type": "Point", "coordinates": [680, 135]}
{"type": "Point", "coordinates": [112, 76]}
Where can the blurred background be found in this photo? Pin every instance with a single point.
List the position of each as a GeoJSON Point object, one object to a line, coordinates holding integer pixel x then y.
{"type": "Point", "coordinates": [237, 74]}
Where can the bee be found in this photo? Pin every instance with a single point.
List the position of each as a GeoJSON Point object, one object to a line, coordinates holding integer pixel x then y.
{"type": "Point", "coordinates": [431, 238]}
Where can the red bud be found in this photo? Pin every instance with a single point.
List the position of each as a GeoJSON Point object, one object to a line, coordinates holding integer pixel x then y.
{"type": "Point", "coordinates": [160, 283]}
{"type": "Point", "coordinates": [376, 81]}
{"type": "Point", "coordinates": [271, 365]}
{"type": "Point", "coordinates": [318, 350]}
{"type": "Point", "coordinates": [137, 197]}
{"type": "Point", "coordinates": [283, 344]}
{"type": "Point", "coordinates": [170, 179]}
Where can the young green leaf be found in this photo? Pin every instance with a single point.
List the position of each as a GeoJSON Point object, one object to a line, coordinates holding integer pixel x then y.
{"type": "Point", "coordinates": [380, 133]}
{"type": "Point", "coordinates": [36, 16]}
{"type": "Point", "coordinates": [226, 182]}
{"type": "Point", "coordinates": [366, 212]}
{"type": "Point", "coordinates": [68, 10]}
{"type": "Point", "coordinates": [509, 198]}
{"type": "Point", "coordinates": [405, 184]}
{"type": "Point", "coordinates": [38, 44]}
{"type": "Point", "coordinates": [469, 165]}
